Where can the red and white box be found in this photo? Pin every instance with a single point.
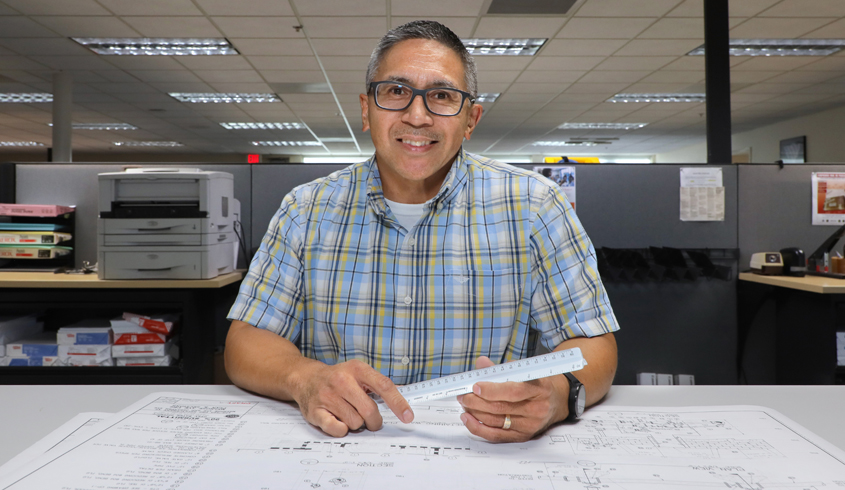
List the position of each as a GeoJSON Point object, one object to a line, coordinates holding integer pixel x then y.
{"type": "Point", "coordinates": [126, 332]}
{"type": "Point", "coordinates": [142, 350]}
{"type": "Point", "coordinates": [159, 324]}
{"type": "Point", "coordinates": [66, 351]}
{"type": "Point", "coordinates": [144, 361]}
{"type": "Point", "coordinates": [40, 210]}
{"type": "Point", "coordinates": [88, 361]}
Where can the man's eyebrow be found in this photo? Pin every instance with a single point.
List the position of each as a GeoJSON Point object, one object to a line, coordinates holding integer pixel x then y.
{"type": "Point", "coordinates": [434, 83]}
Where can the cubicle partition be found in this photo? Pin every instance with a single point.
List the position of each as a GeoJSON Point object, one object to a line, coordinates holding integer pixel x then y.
{"type": "Point", "coordinates": [684, 325]}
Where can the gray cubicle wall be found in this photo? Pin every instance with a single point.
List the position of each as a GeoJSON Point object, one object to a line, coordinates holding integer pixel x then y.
{"type": "Point", "coordinates": [76, 185]}
{"type": "Point", "coordinates": [775, 209]}
{"type": "Point", "coordinates": [671, 327]}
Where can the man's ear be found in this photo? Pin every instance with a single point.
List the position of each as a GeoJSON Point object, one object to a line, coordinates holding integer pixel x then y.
{"type": "Point", "coordinates": [474, 115]}
{"type": "Point", "coordinates": [365, 112]}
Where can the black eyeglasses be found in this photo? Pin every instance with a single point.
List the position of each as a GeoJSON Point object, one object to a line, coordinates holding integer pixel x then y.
{"type": "Point", "coordinates": [441, 101]}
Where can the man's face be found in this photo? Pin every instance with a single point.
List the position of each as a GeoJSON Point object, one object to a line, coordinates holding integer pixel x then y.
{"type": "Point", "coordinates": [414, 146]}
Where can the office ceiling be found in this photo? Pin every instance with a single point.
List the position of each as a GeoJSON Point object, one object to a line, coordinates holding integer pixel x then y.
{"type": "Point", "coordinates": [595, 50]}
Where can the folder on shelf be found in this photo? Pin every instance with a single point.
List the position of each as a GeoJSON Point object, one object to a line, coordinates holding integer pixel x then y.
{"type": "Point", "coordinates": [34, 252]}
{"type": "Point", "coordinates": [33, 237]}
{"type": "Point", "coordinates": [35, 210]}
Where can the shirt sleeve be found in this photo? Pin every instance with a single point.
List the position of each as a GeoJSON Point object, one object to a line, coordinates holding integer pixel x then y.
{"type": "Point", "coordinates": [569, 299]}
{"type": "Point", "coordinates": [271, 296]}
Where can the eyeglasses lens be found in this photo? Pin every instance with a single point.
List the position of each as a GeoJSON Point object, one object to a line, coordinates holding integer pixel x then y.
{"type": "Point", "coordinates": [440, 101]}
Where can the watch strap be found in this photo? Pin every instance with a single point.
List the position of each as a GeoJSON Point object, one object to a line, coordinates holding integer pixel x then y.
{"type": "Point", "coordinates": [574, 386]}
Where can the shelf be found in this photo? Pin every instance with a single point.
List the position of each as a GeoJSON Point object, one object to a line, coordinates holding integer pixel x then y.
{"type": "Point", "coordinates": [101, 375]}
{"type": "Point", "coordinates": [64, 281]}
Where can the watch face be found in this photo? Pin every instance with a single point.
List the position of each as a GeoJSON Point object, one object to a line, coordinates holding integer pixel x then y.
{"type": "Point", "coordinates": [581, 402]}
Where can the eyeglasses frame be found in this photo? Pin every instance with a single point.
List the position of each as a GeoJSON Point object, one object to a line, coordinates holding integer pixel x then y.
{"type": "Point", "coordinates": [422, 93]}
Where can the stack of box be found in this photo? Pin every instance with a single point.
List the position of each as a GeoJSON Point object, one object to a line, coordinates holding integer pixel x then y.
{"type": "Point", "coordinates": [840, 348]}
{"type": "Point", "coordinates": [144, 340]}
{"type": "Point", "coordinates": [34, 350]}
{"type": "Point", "coordinates": [87, 343]}
{"type": "Point", "coordinates": [14, 329]}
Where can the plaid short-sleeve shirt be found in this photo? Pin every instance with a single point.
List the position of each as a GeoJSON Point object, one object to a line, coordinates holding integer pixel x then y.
{"type": "Point", "coordinates": [497, 260]}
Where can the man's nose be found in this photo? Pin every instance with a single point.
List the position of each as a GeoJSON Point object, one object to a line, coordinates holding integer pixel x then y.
{"type": "Point", "coordinates": [417, 113]}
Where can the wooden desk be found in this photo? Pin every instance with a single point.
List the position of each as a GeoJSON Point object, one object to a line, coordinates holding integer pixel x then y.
{"type": "Point", "coordinates": [812, 284]}
{"type": "Point", "coordinates": [805, 323]}
{"type": "Point", "coordinates": [67, 298]}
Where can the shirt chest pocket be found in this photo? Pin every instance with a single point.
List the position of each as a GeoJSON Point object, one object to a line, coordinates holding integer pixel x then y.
{"type": "Point", "coordinates": [481, 309]}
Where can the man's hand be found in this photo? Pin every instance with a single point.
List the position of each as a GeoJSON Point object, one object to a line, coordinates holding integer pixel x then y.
{"type": "Point", "coordinates": [532, 406]}
{"type": "Point", "coordinates": [334, 398]}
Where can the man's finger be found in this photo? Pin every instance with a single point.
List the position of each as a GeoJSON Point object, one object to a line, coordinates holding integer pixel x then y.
{"type": "Point", "coordinates": [491, 434]}
{"type": "Point", "coordinates": [384, 387]}
{"type": "Point", "coordinates": [483, 362]}
{"type": "Point", "coordinates": [329, 424]}
{"type": "Point", "coordinates": [509, 391]}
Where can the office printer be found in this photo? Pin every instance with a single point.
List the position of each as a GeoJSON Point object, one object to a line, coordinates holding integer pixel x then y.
{"type": "Point", "coordinates": [166, 223]}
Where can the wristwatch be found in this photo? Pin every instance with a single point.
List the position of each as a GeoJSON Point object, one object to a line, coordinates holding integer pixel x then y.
{"type": "Point", "coordinates": [577, 397]}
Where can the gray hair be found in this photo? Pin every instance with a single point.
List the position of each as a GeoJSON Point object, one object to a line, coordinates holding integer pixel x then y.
{"type": "Point", "coordinates": [425, 29]}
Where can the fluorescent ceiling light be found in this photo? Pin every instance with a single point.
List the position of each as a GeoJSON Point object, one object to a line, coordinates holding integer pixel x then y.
{"type": "Point", "coordinates": [779, 47]}
{"type": "Point", "coordinates": [658, 98]}
{"type": "Point", "coordinates": [102, 126]}
{"type": "Point", "coordinates": [137, 46]}
{"type": "Point", "coordinates": [565, 143]}
{"type": "Point", "coordinates": [20, 143]}
{"type": "Point", "coordinates": [503, 47]}
{"type": "Point", "coordinates": [337, 140]}
{"type": "Point", "coordinates": [157, 144]}
{"type": "Point", "coordinates": [220, 98]}
{"type": "Point", "coordinates": [25, 98]}
{"type": "Point", "coordinates": [286, 143]}
{"type": "Point", "coordinates": [263, 125]}
{"type": "Point", "coordinates": [487, 97]}
{"type": "Point", "coordinates": [590, 125]}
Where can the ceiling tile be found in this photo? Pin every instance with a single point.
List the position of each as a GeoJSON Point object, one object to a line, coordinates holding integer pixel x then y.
{"type": "Point", "coordinates": [629, 76]}
{"type": "Point", "coordinates": [165, 76]}
{"type": "Point", "coordinates": [776, 27]}
{"type": "Point", "coordinates": [604, 28]}
{"type": "Point", "coordinates": [461, 26]}
{"type": "Point", "coordinates": [686, 63]}
{"type": "Point", "coordinates": [47, 46]}
{"type": "Point", "coordinates": [651, 88]}
{"type": "Point", "coordinates": [675, 28]}
{"type": "Point", "coordinates": [284, 76]}
{"type": "Point", "coordinates": [802, 77]}
{"type": "Point", "coordinates": [628, 8]}
{"type": "Point", "coordinates": [272, 47]}
{"type": "Point", "coordinates": [253, 7]}
{"type": "Point", "coordinates": [258, 27]}
{"type": "Point", "coordinates": [284, 62]}
{"type": "Point", "coordinates": [830, 63]}
{"type": "Point", "coordinates": [436, 8]}
{"type": "Point", "coordinates": [214, 62]}
{"type": "Point", "coordinates": [509, 27]}
{"type": "Point", "coordinates": [344, 62]}
{"type": "Point", "coordinates": [173, 26]}
{"type": "Point", "coordinates": [608, 89]}
{"type": "Point", "coordinates": [562, 77]}
{"type": "Point", "coordinates": [773, 88]}
{"type": "Point", "coordinates": [806, 8]}
{"type": "Point", "coordinates": [341, 27]}
{"type": "Point", "coordinates": [19, 63]}
{"type": "Point", "coordinates": [620, 63]}
{"type": "Point", "coordinates": [752, 76]}
{"type": "Point", "coordinates": [581, 47]}
{"type": "Point", "coordinates": [241, 87]}
{"type": "Point", "coordinates": [347, 76]}
{"type": "Point", "coordinates": [343, 47]}
{"type": "Point", "coordinates": [835, 30]}
{"type": "Point", "coordinates": [151, 7]}
{"type": "Point", "coordinates": [72, 63]}
{"type": "Point", "coordinates": [210, 76]}
{"type": "Point", "coordinates": [675, 77]}
{"type": "Point", "coordinates": [16, 26]}
{"type": "Point", "coordinates": [509, 97]}
{"type": "Point", "coordinates": [145, 62]}
{"type": "Point", "coordinates": [491, 63]}
{"type": "Point", "coordinates": [535, 88]}
{"type": "Point", "coordinates": [346, 8]}
{"type": "Point", "coordinates": [544, 62]}
{"type": "Point", "coordinates": [90, 26]}
{"type": "Point", "coordinates": [688, 8]}
{"type": "Point", "coordinates": [52, 7]}
{"type": "Point", "coordinates": [653, 47]}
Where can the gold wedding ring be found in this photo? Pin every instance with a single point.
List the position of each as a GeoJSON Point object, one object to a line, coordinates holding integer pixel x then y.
{"type": "Point", "coordinates": [507, 424]}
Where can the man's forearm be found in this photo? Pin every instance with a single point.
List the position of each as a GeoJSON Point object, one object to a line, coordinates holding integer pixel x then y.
{"type": "Point", "coordinates": [597, 375]}
{"type": "Point", "coordinates": [263, 362]}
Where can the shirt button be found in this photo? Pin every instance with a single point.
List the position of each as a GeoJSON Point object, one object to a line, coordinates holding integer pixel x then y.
{"type": "Point", "coordinates": [406, 360]}
{"type": "Point", "coordinates": [412, 242]}
{"type": "Point", "coordinates": [408, 300]}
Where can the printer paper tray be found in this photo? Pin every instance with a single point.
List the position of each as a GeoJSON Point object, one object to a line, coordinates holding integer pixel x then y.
{"type": "Point", "coordinates": [160, 226]}
{"type": "Point", "coordinates": [164, 240]}
{"type": "Point", "coordinates": [202, 262]}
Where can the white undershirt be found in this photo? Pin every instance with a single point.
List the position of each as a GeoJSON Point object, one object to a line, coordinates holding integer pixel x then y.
{"type": "Point", "coordinates": [407, 214]}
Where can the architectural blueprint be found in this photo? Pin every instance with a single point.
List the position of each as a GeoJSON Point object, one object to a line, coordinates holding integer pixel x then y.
{"type": "Point", "coordinates": [170, 441]}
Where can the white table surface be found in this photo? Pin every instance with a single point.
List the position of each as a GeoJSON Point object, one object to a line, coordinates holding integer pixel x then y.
{"type": "Point", "coordinates": [28, 413]}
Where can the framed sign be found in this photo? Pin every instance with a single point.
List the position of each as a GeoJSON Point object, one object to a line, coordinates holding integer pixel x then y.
{"type": "Point", "coordinates": [793, 150]}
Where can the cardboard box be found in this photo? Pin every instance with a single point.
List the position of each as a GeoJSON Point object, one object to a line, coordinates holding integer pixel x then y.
{"type": "Point", "coordinates": [142, 350]}
{"type": "Point", "coordinates": [41, 345]}
{"type": "Point", "coordinates": [144, 361]}
{"type": "Point", "coordinates": [85, 336]}
{"type": "Point", "coordinates": [88, 361]}
{"type": "Point", "coordinates": [79, 351]}
{"type": "Point", "coordinates": [139, 338]}
{"type": "Point", "coordinates": [30, 361]}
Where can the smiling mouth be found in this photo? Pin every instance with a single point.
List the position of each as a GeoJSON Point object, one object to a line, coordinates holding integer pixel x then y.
{"type": "Point", "coordinates": [416, 143]}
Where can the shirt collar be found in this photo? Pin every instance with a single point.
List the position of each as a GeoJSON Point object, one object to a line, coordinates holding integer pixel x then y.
{"type": "Point", "coordinates": [451, 187]}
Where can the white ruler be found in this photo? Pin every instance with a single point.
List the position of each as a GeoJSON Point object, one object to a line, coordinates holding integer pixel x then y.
{"type": "Point", "coordinates": [523, 370]}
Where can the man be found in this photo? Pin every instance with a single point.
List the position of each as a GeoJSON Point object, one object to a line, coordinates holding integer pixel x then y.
{"type": "Point", "coordinates": [420, 263]}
